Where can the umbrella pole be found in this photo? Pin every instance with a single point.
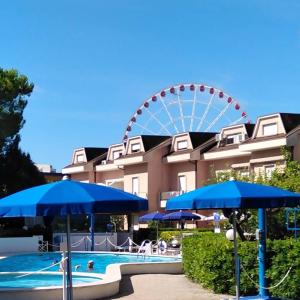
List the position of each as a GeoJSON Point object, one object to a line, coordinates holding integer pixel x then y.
{"type": "Point", "coordinates": [262, 252]}
{"type": "Point", "coordinates": [236, 259]}
{"type": "Point", "coordinates": [157, 231]}
{"type": "Point", "coordinates": [65, 296]}
{"type": "Point", "coordinates": [92, 226]}
{"type": "Point", "coordinates": [69, 261]}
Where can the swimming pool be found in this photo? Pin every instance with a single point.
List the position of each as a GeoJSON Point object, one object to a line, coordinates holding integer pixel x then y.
{"type": "Point", "coordinates": [38, 261]}
{"type": "Point", "coordinates": [102, 282]}
{"type": "Point", "coordinates": [15, 280]}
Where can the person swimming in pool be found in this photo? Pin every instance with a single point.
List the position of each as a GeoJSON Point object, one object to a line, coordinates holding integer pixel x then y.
{"type": "Point", "coordinates": [90, 265]}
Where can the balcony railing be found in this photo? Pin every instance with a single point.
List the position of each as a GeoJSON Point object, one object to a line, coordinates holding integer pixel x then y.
{"type": "Point", "coordinates": [142, 194]}
{"type": "Point", "coordinates": [164, 196]}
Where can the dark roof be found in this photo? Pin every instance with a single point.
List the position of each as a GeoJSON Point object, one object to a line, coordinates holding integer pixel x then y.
{"type": "Point", "coordinates": [99, 158]}
{"type": "Point", "coordinates": [150, 141]}
{"type": "Point", "coordinates": [92, 153]}
{"type": "Point", "coordinates": [198, 138]}
{"type": "Point", "coordinates": [290, 121]}
{"type": "Point", "coordinates": [249, 129]}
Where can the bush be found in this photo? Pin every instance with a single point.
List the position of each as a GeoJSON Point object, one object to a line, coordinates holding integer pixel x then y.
{"type": "Point", "coordinates": [285, 254]}
{"type": "Point", "coordinates": [168, 235]}
{"type": "Point", "coordinates": [208, 259]}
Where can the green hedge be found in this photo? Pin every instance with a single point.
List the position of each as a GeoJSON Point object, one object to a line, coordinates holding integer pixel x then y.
{"type": "Point", "coordinates": [208, 259]}
{"type": "Point", "coordinates": [168, 235]}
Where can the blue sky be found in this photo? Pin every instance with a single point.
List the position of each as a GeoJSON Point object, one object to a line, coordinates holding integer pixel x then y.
{"type": "Point", "coordinates": [93, 62]}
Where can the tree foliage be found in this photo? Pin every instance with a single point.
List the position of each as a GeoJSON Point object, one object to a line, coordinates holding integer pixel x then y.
{"type": "Point", "coordinates": [287, 178]}
{"type": "Point", "coordinates": [18, 169]}
{"type": "Point", "coordinates": [14, 90]}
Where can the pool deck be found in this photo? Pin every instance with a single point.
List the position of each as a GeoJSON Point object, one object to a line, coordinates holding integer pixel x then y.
{"type": "Point", "coordinates": [162, 287]}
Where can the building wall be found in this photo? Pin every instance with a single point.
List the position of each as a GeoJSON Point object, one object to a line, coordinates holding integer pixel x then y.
{"type": "Point", "coordinates": [104, 177]}
{"type": "Point", "coordinates": [266, 153]}
{"type": "Point", "coordinates": [225, 164]}
{"type": "Point", "coordinates": [158, 176]}
{"type": "Point", "coordinates": [259, 169]}
{"type": "Point", "coordinates": [83, 176]}
{"type": "Point", "coordinates": [141, 172]}
{"type": "Point", "coordinates": [182, 169]}
{"type": "Point", "coordinates": [296, 152]}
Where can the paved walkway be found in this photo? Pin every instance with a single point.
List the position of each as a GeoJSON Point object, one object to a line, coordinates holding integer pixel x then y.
{"type": "Point", "coordinates": [162, 287]}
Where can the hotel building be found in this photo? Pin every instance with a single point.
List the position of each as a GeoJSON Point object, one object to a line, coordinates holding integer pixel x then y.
{"type": "Point", "coordinates": [159, 167]}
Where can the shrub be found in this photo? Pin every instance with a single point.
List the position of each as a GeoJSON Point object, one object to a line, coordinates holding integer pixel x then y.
{"type": "Point", "coordinates": [208, 259]}
{"type": "Point", "coordinates": [285, 254]}
{"type": "Point", "coordinates": [169, 235]}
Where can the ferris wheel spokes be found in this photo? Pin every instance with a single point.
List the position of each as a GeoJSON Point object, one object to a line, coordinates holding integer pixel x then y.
{"type": "Point", "coordinates": [205, 112]}
{"type": "Point", "coordinates": [153, 116]}
{"type": "Point", "coordinates": [218, 117]}
{"type": "Point", "coordinates": [187, 106]}
{"type": "Point", "coordinates": [193, 109]}
{"type": "Point", "coordinates": [168, 113]}
{"type": "Point", "coordinates": [180, 109]}
{"type": "Point", "coordinates": [237, 120]}
{"type": "Point", "coordinates": [145, 128]}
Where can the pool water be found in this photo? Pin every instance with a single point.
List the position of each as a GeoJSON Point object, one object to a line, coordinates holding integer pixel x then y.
{"type": "Point", "coordinates": [40, 280]}
{"type": "Point", "coordinates": [38, 261]}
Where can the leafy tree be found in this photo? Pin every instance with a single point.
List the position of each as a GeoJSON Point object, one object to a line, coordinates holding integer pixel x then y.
{"type": "Point", "coordinates": [20, 172]}
{"type": "Point", "coordinates": [17, 170]}
{"type": "Point", "coordinates": [287, 178]}
{"type": "Point", "coordinates": [14, 90]}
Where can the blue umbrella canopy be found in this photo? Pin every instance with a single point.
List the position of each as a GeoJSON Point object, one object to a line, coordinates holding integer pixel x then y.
{"type": "Point", "coordinates": [180, 215]}
{"type": "Point", "coordinates": [65, 198]}
{"type": "Point", "coordinates": [154, 216]}
{"type": "Point", "coordinates": [234, 194]}
{"type": "Point", "coordinates": [69, 197]}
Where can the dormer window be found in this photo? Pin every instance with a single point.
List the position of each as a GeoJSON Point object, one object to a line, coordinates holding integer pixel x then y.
{"type": "Point", "coordinates": [79, 158]}
{"type": "Point", "coordinates": [234, 139]}
{"type": "Point", "coordinates": [182, 145]}
{"type": "Point", "coordinates": [135, 147]}
{"type": "Point", "coordinates": [117, 154]}
{"type": "Point", "coordinates": [270, 129]}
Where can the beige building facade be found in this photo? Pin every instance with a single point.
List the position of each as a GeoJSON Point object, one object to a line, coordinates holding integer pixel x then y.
{"type": "Point", "coordinates": [160, 167]}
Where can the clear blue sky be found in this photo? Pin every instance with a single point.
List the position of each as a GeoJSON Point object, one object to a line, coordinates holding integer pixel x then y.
{"type": "Point", "coordinates": [93, 62]}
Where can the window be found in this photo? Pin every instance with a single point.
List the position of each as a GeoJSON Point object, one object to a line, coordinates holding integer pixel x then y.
{"type": "Point", "coordinates": [234, 138]}
{"type": "Point", "coordinates": [182, 145]}
{"type": "Point", "coordinates": [269, 171]}
{"type": "Point", "coordinates": [182, 183]}
{"type": "Point", "coordinates": [135, 147]}
{"type": "Point", "coordinates": [79, 158]}
{"type": "Point", "coordinates": [244, 173]}
{"type": "Point", "coordinates": [135, 185]}
{"type": "Point", "coordinates": [270, 129]}
{"type": "Point", "coordinates": [116, 154]}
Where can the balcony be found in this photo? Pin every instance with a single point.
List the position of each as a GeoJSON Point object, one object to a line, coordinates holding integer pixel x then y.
{"type": "Point", "coordinates": [164, 196]}
{"type": "Point", "coordinates": [142, 195]}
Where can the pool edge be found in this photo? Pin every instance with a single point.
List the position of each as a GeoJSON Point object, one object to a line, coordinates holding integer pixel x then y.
{"type": "Point", "coordinates": [108, 286]}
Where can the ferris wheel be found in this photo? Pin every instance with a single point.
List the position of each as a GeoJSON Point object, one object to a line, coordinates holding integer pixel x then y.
{"type": "Point", "coordinates": [185, 107]}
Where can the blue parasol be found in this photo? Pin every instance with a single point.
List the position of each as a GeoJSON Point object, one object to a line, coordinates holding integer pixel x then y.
{"type": "Point", "coordinates": [237, 194]}
{"type": "Point", "coordinates": [181, 215]}
{"type": "Point", "coordinates": [65, 198]}
{"type": "Point", "coordinates": [154, 216]}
